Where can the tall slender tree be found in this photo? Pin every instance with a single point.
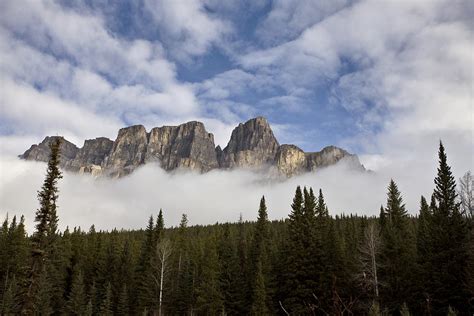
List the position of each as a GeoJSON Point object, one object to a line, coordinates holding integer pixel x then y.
{"type": "Point", "coordinates": [45, 235]}
{"type": "Point", "coordinates": [260, 262]}
{"type": "Point", "coordinates": [448, 244]}
{"type": "Point", "coordinates": [397, 252]}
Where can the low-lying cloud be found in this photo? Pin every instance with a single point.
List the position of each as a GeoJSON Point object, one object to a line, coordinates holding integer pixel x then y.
{"type": "Point", "coordinates": [217, 196]}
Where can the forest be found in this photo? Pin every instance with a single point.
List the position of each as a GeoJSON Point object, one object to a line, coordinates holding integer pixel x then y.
{"type": "Point", "coordinates": [311, 263]}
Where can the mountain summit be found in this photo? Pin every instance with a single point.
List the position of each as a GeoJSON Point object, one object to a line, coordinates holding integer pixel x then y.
{"type": "Point", "coordinates": [252, 145]}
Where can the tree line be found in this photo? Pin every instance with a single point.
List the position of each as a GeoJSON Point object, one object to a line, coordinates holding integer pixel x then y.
{"type": "Point", "coordinates": [311, 263]}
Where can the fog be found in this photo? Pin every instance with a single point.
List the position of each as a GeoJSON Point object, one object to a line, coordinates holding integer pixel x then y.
{"type": "Point", "coordinates": [217, 196]}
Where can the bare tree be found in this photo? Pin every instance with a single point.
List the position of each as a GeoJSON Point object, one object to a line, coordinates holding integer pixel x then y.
{"type": "Point", "coordinates": [369, 251]}
{"type": "Point", "coordinates": [466, 194]}
{"type": "Point", "coordinates": [163, 253]}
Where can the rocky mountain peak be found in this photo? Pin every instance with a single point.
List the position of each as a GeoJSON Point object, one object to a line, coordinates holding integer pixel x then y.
{"type": "Point", "coordinates": [41, 151]}
{"type": "Point", "coordinates": [252, 145]}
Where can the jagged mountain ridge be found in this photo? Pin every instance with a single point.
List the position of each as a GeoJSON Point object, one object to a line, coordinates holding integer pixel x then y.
{"type": "Point", "coordinates": [189, 146]}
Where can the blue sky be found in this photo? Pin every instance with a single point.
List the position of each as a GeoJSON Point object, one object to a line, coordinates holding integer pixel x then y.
{"type": "Point", "coordinates": [363, 75]}
{"type": "Point", "coordinates": [384, 79]}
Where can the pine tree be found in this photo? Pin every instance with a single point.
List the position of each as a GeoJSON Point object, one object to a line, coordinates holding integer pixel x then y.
{"type": "Point", "coordinates": [44, 238]}
{"type": "Point", "coordinates": [106, 308]}
{"type": "Point", "coordinates": [9, 301]}
{"type": "Point", "coordinates": [144, 294]}
{"type": "Point", "coordinates": [321, 207]}
{"type": "Point", "coordinates": [448, 244]}
{"type": "Point", "coordinates": [123, 304]}
{"type": "Point", "coordinates": [397, 253]}
{"type": "Point", "coordinates": [259, 305]}
{"type": "Point", "coordinates": [159, 228]}
{"type": "Point", "coordinates": [323, 254]}
{"type": "Point", "coordinates": [241, 292]}
{"type": "Point", "coordinates": [259, 259]}
{"type": "Point", "coordinates": [295, 292]}
{"type": "Point", "coordinates": [77, 299]}
{"type": "Point", "coordinates": [183, 285]}
{"type": "Point", "coordinates": [209, 300]}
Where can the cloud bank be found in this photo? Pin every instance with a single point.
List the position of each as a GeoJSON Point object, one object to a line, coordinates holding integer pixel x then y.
{"type": "Point", "coordinates": [217, 196]}
{"type": "Point", "coordinates": [384, 79]}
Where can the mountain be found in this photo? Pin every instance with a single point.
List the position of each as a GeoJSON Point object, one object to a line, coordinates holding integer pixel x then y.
{"type": "Point", "coordinates": [252, 145]}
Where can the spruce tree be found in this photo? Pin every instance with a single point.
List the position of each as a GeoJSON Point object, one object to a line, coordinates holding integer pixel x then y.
{"type": "Point", "coordinates": [144, 294]}
{"type": "Point", "coordinates": [159, 228]}
{"type": "Point", "coordinates": [397, 253]}
{"type": "Point", "coordinates": [294, 293]}
{"type": "Point", "coordinates": [448, 244]}
{"type": "Point", "coordinates": [77, 299]}
{"type": "Point", "coordinates": [259, 304]}
{"type": "Point", "coordinates": [241, 285]}
{"type": "Point", "coordinates": [182, 270]}
{"type": "Point", "coordinates": [209, 300]}
{"type": "Point", "coordinates": [259, 258]}
{"type": "Point", "coordinates": [123, 304]}
{"type": "Point", "coordinates": [37, 292]}
{"type": "Point", "coordinates": [106, 307]}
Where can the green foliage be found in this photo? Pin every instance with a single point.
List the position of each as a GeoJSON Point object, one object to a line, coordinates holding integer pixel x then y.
{"type": "Point", "coordinates": [307, 264]}
{"type": "Point", "coordinates": [398, 251]}
{"type": "Point", "coordinates": [445, 243]}
{"type": "Point", "coordinates": [76, 302]}
{"type": "Point", "coordinates": [106, 304]}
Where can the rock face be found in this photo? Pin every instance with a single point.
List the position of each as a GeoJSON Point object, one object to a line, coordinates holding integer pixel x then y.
{"type": "Point", "coordinates": [189, 146]}
{"type": "Point", "coordinates": [251, 145]}
{"type": "Point", "coordinates": [92, 154]}
{"type": "Point", "coordinates": [128, 151]}
{"type": "Point", "coordinates": [290, 160]}
{"type": "Point", "coordinates": [41, 151]}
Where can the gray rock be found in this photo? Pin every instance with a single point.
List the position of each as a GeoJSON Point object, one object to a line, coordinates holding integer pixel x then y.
{"type": "Point", "coordinates": [251, 145]}
{"type": "Point", "coordinates": [189, 146]}
{"type": "Point", "coordinates": [290, 160]}
{"type": "Point", "coordinates": [92, 155]}
{"type": "Point", "coordinates": [41, 151]}
{"type": "Point", "coordinates": [128, 151]}
{"type": "Point", "coordinates": [185, 146]}
{"type": "Point", "coordinates": [329, 156]}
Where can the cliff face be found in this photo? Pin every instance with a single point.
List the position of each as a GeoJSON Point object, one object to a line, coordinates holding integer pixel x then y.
{"type": "Point", "coordinates": [41, 151]}
{"type": "Point", "coordinates": [189, 146]}
{"type": "Point", "coordinates": [251, 145]}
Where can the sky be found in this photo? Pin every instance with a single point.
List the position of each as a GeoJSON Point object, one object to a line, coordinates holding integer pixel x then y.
{"type": "Point", "coordinates": [386, 80]}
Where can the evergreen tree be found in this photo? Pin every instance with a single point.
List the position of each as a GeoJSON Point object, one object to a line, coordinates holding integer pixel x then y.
{"type": "Point", "coordinates": [9, 302]}
{"type": "Point", "coordinates": [144, 295]}
{"type": "Point", "coordinates": [209, 300]}
{"type": "Point", "coordinates": [106, 307]}
{"type": "Point", "coordinates": [397, 252]}
{"type": "Point", "coordinates": [259, 305]}
{"type": "Point", "coordinates": [123, 304]}
{"type": "Point", "coordinates": [159, 228]}
{"type": "Point", "coordinates": [77, 299]}
{"type": "Point", "coordinates": [183, 273]}
{"type": "Point", "coordinates": [448, 244]}
{"type": "Point", "coordinates": [37, 295]}
{"type": "Point", "coordinates": [295, 294]}
{"type": "Point", "coordinates": [240, 284]}
{"type": "Point", "coordinates": [259, 259]}
{"type": "Point", "coordinates": [321, 207]}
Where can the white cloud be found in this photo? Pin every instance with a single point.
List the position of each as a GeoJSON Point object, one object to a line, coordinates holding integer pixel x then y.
{"type": "Point", "coordinates": [411, 82]}
{"type": "Point", "coordinates": [215, 196]}
{"type": "Point", "coordinates": [29, 112]}
{"type": "Point", "coordinates": [189, 28]}
{"type": "Point", "coordinates": [288, 18]}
